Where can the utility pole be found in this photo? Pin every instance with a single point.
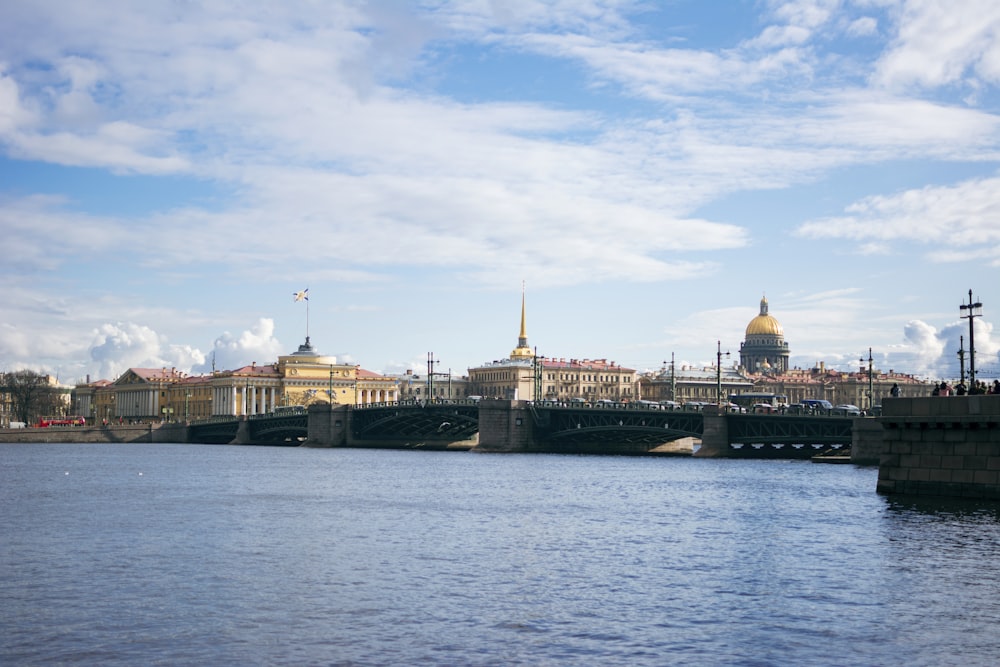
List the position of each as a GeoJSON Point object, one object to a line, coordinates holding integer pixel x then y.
{"type": "Point", "coordinates": [975, 310]}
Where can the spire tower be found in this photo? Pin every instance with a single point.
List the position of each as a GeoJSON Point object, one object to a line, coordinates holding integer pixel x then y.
{"type": "Point", "coordinates": [522, 350]}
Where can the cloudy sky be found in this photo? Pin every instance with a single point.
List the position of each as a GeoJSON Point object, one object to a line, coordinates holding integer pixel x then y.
{"type": "Point", "coordinates": [171, 172]}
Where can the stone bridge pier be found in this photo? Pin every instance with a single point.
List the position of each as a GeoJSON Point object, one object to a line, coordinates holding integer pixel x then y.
{"type": "Point", "coordinates": [329, 427]}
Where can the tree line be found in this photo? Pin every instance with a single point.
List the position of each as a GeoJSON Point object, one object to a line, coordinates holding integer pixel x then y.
{"type": "Point", "coordinates": [30, 396]}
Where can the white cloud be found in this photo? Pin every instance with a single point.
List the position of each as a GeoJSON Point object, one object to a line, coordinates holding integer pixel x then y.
{"type": "Point", "coordinates": [944, 219]}
{"type": "Point", "coordinates": [937, 45]}
{"type": "Point", "coordinates": [122, 345]}
{"type": "Point", "coordinates": [863, 27]}
{"type": "Point", "coordinates": [256, 344]}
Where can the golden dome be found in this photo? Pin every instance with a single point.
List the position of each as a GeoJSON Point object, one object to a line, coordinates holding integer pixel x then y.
{"type": "Point", "coordinates": [764, 324]}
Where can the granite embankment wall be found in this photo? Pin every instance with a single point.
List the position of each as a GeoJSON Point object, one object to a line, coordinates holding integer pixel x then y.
{"type": "Point", "coordinates": [941, 445]}
{"type": "Point", "coordinates": [124, 433]}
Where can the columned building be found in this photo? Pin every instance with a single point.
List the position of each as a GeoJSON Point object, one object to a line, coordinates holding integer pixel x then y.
{"type": "Point", "coordinates": [303, 377]}
{"type": "Point", "coordinates": [764, 349]}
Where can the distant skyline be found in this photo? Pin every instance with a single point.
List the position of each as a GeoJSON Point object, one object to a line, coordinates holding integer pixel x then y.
{"type": "Point", "coordinates": [171, 174]}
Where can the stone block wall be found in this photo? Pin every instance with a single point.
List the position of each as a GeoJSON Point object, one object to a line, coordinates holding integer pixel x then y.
{"type": "Point", "coordinates": [866, 442]}
{"type": "Point", "coordinates": [505, 426]}
{"type": "Point", "coordinates": [715, 434]}
{"type": "Point", "coordinates": [941, 445]}
{"type": "Point", "coordinates": [328, 427]}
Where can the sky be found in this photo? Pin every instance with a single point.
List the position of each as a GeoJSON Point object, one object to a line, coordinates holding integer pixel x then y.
{"type": "Point", "coordinates": [171, 173]}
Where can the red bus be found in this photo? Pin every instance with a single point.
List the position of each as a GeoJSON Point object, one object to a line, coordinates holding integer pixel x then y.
{"type": "Point", "coordinates": [72, 420]}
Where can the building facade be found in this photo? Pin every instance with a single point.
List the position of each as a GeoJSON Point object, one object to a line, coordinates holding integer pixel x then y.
{"type": "Point", "coordinates": [303, 377]}
{"type": "Point", "coordinates": [689, 384]}
{"type": "Point", "coordinates": [525, 376]}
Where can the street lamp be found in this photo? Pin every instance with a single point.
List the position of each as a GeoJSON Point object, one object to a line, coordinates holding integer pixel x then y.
{"type": "Point", "coordinates": [718, 371]}
{"type": "Point", "coordinates": [430, 375]}
{"type": "Point", "coordinates": [871, 389]}
{"type": "Point", "coordinates": [330, 392]}
{"type": "Point", "coordinates": [536, 375]}
{"type": "Point", "coordinates": [961, 359]}
{"type": "Point", "coordinates": [186, 413]}
{"type": "Point", "coordinates": [975, 310]}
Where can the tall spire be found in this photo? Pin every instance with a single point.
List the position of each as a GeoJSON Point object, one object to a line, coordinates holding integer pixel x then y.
{"type": "Point", "coordinates": [522, 349]}
{"type": "Point", "coordinates": [522, 339]}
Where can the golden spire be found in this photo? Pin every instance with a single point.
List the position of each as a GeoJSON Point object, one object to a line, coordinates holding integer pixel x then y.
{"type": "Point", "coordinates": [522, 340]}
{"type": "Point", "coordinates": [522, 349]}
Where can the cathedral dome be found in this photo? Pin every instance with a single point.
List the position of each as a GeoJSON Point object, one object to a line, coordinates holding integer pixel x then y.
{"type": "Point", "coordinates": [764, 324]}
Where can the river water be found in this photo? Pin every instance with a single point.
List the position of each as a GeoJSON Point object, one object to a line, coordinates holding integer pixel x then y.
{"type": "Point", "coordinates": [225, 555]}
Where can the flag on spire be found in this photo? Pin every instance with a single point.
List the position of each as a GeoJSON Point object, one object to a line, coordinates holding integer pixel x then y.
{"type": "Point", "coordinates": [301, 296]}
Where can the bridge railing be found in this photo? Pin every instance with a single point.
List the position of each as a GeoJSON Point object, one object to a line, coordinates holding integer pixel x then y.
{"type": "Point", "coordinates": [214, 419]}
{"type": "Point", "coordinates": [419, 402]}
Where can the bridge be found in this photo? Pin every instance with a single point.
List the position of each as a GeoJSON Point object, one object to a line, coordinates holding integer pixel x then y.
{"type": "Point", "coordinates": [635, 428]}
{"type": "Point", "coordinates": [544, 426]}
{"type": "Point", "coordinates": [281, 428]}
{"type": "Point", "coordinates": [407, 424]}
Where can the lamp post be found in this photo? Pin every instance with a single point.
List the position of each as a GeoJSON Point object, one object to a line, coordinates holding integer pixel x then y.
{"type": "Point", "coordinates": [871, 388]}
{"type": "Point", "coordinates": [430, 375]}
{"type": "Point", "coordinates": [536, 376]}
{"type": "Point", "coordinates": [961, 359]}
{"type": "Point", "coordinates": [330, 390]}
{"type": "Point", "coordinates": [718, 371]}
{"type": "Point", "coordinates": [975, 310]}
{"type": "Point", "coordinates": [187, 396]}
{"type": "Point", "coordinates": [673, 378]}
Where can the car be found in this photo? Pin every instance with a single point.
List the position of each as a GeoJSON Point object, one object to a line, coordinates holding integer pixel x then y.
{"type": "Point", "coordinates": [670, 405]}
{"type": "Point", "coordinates": [817, 404]}
{"type": "Point", "coordinates": [847, 410]}
{"type": "Point", "coordinates": [763, 409]}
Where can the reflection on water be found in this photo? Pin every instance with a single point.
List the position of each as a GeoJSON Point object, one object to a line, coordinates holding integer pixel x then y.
{"type": "Point", "coordinates": [190, 554]}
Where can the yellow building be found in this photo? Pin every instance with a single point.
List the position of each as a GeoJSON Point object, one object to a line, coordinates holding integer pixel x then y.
{"type": "Point", "coordinates": [303, 378]}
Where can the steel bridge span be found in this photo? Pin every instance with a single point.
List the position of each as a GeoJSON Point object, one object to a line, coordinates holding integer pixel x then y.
{"type": "Point", "coordinates": [555, 427]}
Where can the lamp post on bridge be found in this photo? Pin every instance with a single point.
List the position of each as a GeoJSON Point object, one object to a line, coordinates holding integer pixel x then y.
{"type": "Point", "coordinates": [961, 359]}
{"type": "Point", "coordinates": [871, 385]}
{"type": "Point", "coordinates": [537, 364]}
{"type": "Point", "coordinates": [718, 372]}
{"type": "Point", "coordinates": [975, 310]}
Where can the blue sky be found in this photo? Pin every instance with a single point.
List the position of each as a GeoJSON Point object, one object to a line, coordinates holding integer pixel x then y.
{"type": "Point", "coordinates": [170, 173]}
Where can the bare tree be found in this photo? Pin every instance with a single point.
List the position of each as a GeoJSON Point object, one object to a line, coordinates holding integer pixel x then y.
{"type": "Point", "coordinates": [31, 395]}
